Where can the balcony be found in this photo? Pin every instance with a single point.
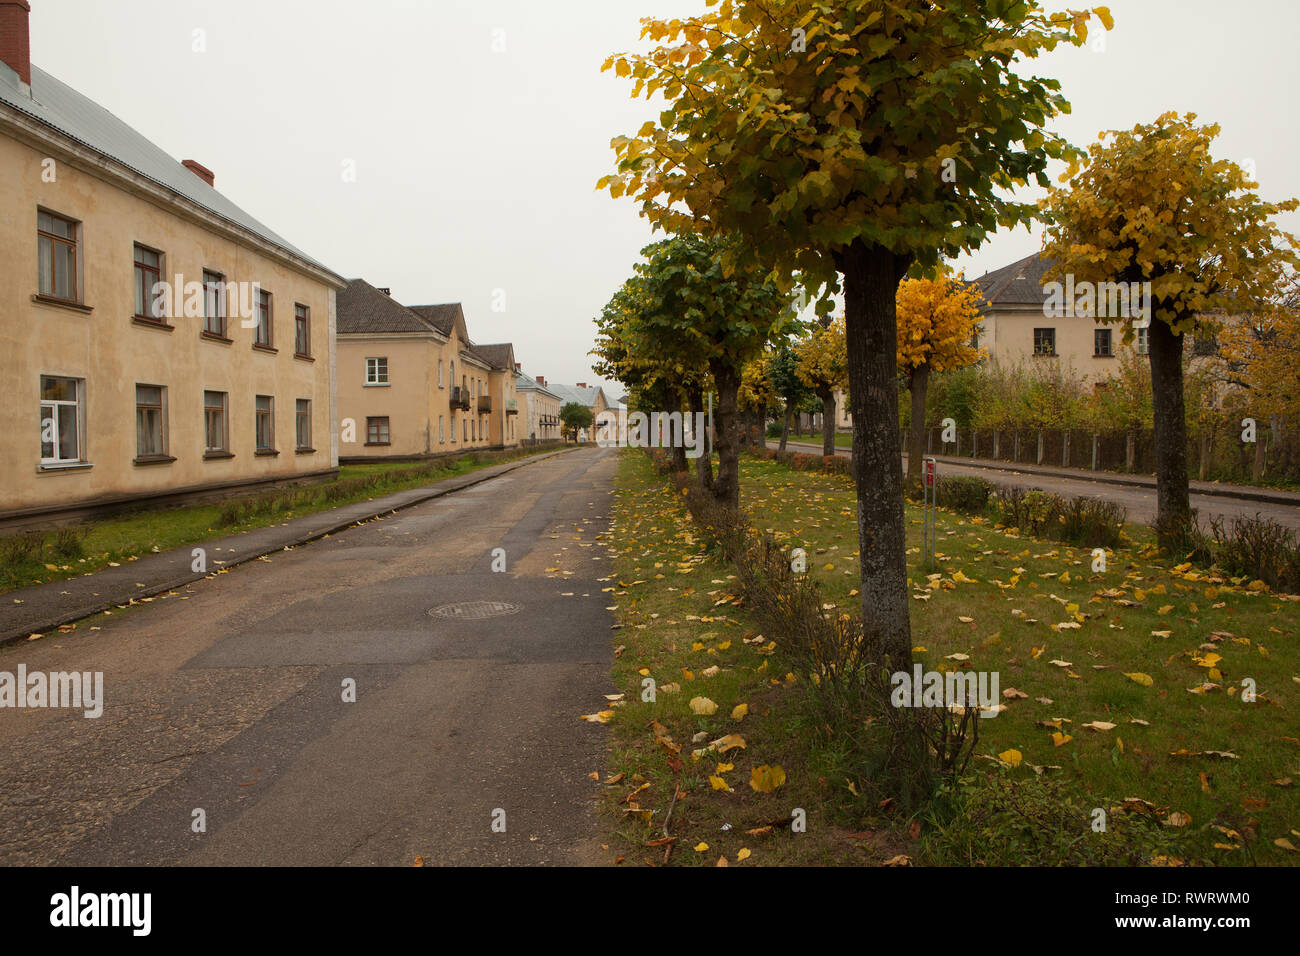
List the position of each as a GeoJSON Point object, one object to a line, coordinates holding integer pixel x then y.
{"type": "Point", "coordinates": [460, 397]}
{"type": "Point", "coordinates": [485, 403]}
{"type": "Point", "coordinates": [512, 406]}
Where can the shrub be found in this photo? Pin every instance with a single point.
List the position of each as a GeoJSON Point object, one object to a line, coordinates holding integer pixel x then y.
{"type": "Point", "coordinates": [1260, 549]}
{"type": "Point", "coordinates": [774, 430]}
{"type": "Point", "coordinates": [1092, 523]}
{"type": "Point", "coordinates": [836, 465]}
{"type": "Point", "coordinates": [69, 542]}
{"type": "Point", "coordinates": [19, 549]}
{"type": "Point", "coordinates": [1012, 819]}
{"type": "Point", "coordinates": [965, 493]}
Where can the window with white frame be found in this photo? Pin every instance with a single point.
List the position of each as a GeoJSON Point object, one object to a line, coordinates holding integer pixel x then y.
{"type": "Point", "coordinates": [377, 371]}
{"type": "Point", "coordinates": [62, 418]}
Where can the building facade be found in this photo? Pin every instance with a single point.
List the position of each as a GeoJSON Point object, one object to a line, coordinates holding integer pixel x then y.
{"type": "Point", "coordinates": [541, 410]}
{"type": "Point", "coordinates": [412, 384]}
{"type": "Point", "coordinates": [166, 343]}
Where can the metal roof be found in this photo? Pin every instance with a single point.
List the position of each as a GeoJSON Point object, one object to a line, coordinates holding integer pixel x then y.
{"type": "Point", "coordinates": [63, 109]}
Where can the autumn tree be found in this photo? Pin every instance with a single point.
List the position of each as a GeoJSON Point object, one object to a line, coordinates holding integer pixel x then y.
{"type": "Point", "coordinates": [1260, 353]}
{"type": "Point", "coordinates": [824, 368]}
{"type": "Point", "coordinates": [937, 319]}
{"type": "Point", "coordinates": [849, 138]}
{"type": "Point", "coordinates": [756, 394]}
{"type": "Point", "coordinates": [689, 318]}
{"type": "Point", "coordinates": [1153, 205]}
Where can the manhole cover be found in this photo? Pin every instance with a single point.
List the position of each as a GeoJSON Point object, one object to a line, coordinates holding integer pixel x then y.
{"type": "Point", "coordinates": [475, 610]}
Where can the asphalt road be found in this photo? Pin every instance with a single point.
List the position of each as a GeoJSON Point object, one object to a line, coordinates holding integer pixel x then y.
{"type": "Point", "coordinates": [229, 698]}
{"type": "Point", "coordinates": [1140, 502]}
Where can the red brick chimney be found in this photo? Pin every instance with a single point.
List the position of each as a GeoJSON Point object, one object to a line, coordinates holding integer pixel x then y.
{"type": "Point", "coordinates": [519, 367]}
{"type": "Point", "coordinates": [582, 385]}
{"type": "Point", "coordinates": [197, 169]}
{"type": "Point", "coordinates": [15, 41]}
{"type": "Point", "coordinates": [541, 380]}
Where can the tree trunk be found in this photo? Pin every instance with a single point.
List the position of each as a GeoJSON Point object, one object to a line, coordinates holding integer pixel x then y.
{"type": "Point", "coordinates": [871, 276]}
{"type": "Point", "coordinates": [918, 384]}
{"type": "Point", "coordinates": [726, 489]}
{"type": "Point", "coordinates": [703, 464]}
{"type": "Point", "coordinates": [828, 424]}
{"type": "Point", "coordinates": [785, 428]}
{"type": "Point", "coordinates": [679, 447]}
{"type": "Point", "coordinates": [1173, 504]}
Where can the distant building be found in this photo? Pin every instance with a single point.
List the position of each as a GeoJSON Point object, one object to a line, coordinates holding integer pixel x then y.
{"type": "Point", "coordinates": [412, 384]}
{"type": "Point", "coordinates": [592, 396]}
{"type": "Point", "coordinates": [541, 409]}
{"type": "Point", "coordinates": [1022, 323]}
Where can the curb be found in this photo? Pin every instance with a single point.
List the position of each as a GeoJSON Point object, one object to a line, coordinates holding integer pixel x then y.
{"type": "Point", "coordinates": [1241, 493]}
{"type": "Point", "coordinates": [153, 590]}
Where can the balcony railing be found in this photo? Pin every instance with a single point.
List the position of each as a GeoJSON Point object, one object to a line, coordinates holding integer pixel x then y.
{"type": "Point", "coordinates": [512, 406]}
{"type": "Point", "coordinates": [460, 397]}
{"type": "Point", "coordinates": [485, 403]}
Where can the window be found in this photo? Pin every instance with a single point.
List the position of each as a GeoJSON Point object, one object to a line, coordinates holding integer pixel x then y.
{"type": "Point", "coordinates": [1143, 341]}
{"type": "Point", "coordinates": [302, 424]}
{"type": "Point", "coordinates": [464, 430]}
{"type": "Point", "coordinates": [265, 424]}
{"type": "Point", "coordinates": [1044, 341]}
{"type": "Point", "coordinates": [150, 422]}
{"type": "Point", "coordinates": [440, 373]}
{"type": "Point", "coordinates": [377, 371]}
{"type": "Point", "coordinates": [148, 275]}
{"type": "Point", "coordinates": [56, 257]}
{"type": "Point", "coordinates": [216, 434]}
{"type": "Point", "coordinates": [301, 330]}
{"type": "Point", "coordinates": [214, 303]}
{"type": "Point", "coordinates": [262, 331]}
{"type": "Point", "coordinates": [442, 438]}
{"type": "Point", "coordinates": [473, 431]}
{"type": "Point", "coordinates": [61, 420]}
{"type": "Point", "coordinates": [1101, 343]}
{"type": "Point", "coordinates": [377, 431]}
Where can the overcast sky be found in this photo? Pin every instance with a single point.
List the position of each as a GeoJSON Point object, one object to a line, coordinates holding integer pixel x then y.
{"type": "Point", "coordinates": [478, 128]}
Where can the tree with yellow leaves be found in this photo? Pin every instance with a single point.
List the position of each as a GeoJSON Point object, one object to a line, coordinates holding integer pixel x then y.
{"type": "Point", "coordinates": [1153, 211]}
{"type": "Point", "coordinates": [843, 141]}
{"type": "Point", "coordinates": [824, 368]}
{"type": "Point", "coordinates": [756, 395]}
{"type": "Point", "coordinates": [937, 319]}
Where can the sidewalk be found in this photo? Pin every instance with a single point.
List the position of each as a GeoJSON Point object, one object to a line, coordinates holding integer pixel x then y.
{"type": "Point", "coordinates": [1240, 492]}
{"type": "Point", "coordinates": [42, 607]}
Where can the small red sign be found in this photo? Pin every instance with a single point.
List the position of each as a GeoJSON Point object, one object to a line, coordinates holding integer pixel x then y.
{"type": "Point", "coordinates": [929, 474]}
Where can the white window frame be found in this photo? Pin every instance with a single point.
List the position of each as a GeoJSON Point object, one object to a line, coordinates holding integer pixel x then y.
{"type": "Point", "coordinates": [79, 410]}
{"type": "Point", "coordinates": [373, 379]}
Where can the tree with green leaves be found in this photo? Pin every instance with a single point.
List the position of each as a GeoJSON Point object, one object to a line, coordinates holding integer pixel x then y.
{"type": "Point", "coordinates": [1152, 205]}
{"type": "Point", "coordinates": [693, 318]}
{"type": "Point", "coordinates": [850, 138]}
{"type": "Point", "coordinates": [783, 369]}
{"type": "Point", "coordinates": [576, 417]}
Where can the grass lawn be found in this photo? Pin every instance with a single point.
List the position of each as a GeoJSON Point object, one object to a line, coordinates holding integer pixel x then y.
{"type": "Point", "coordinates": [842, 439]}
{"type": "Point", "coordinates": [1116, 685]}
{"type": "Point", "coordinates": [127, 537]}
